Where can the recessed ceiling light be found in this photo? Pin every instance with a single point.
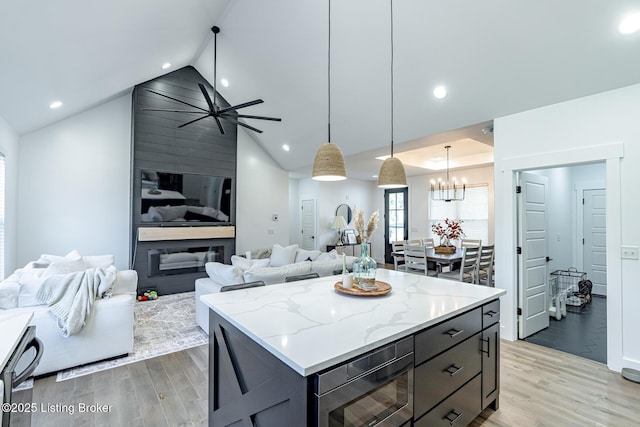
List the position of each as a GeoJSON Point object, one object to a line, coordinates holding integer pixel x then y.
{"type": "Point", "coordinates": [630, 24]}
{"type": "Point", "coordinates": [166, 65]}
{"type": "Point", "coordinates": [285, 147]}
{"type": "Point", "coordinates": [224, 82]}
{"type": "Point", "coordinates": [440, 92]}
{"type": "Point", "coordinates": [374, 176]}
{"type": "Point", "coordinates": [55, 104]}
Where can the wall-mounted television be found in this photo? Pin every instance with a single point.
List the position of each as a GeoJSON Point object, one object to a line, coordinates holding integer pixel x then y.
{"type": "Point", "coordinates": [169, 198]}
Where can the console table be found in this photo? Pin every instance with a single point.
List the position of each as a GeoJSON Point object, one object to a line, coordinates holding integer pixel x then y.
{"type": "Point", "coordinates": [351, 249]}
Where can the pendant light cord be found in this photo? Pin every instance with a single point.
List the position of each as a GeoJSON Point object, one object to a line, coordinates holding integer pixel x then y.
{"type": "Point", "coordinates": [329, 78]}
{"type": "Point", "coordinates": [391, 78]}
{"type": "Point", "coordinates": [215, 30]}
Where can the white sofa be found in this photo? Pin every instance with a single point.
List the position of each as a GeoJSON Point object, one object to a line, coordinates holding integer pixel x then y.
{"type": "Point", "coordinates": [245, 270]}
{"type": "Point", "coordinates": [108, 331]}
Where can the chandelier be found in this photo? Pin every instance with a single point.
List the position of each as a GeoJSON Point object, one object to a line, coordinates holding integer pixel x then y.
{"type": "Point", "coordinates": [447, 191]}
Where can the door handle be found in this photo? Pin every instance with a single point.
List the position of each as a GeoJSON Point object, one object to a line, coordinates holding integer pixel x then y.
{"type": "Point", "coordinates": [549, 259]}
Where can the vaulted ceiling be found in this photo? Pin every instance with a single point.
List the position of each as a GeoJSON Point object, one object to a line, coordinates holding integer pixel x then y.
{"type": "Point", "coordinates": [496, 58]}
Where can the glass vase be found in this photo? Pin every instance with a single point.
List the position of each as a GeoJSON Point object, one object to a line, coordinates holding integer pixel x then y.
{"type": "Point", "coordinates": [364, 269]}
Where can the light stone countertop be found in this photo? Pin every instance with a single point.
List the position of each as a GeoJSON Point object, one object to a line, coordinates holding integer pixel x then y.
{"type": "Point", "coordinates": [310, 326]}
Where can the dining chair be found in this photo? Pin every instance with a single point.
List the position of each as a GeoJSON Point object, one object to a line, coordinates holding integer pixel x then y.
{"type": "Point", "coordinates": [470, 243]}
{"type": "Point", "coordinates": [485, 266]}
{"type": "Point", "coordinates": [301, 277]}
{"type": "Point", "coordinates": [247, 285]}
{"type": "Point", "coordinates": [428, 243]}
{"type": "Point", "coordinates": [397, 246]}
{"type": "Point", "coordinates": [468, 266]}
{"type": "Point", "coordinates": [415, 260]}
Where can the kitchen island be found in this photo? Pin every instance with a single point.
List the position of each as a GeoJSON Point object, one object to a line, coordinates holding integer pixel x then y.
{"type": "Point", "coordinates": [271, 346]}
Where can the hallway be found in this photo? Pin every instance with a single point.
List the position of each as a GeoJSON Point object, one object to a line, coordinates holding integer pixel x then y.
{"type": "Point", "coordinates": [583, 332]}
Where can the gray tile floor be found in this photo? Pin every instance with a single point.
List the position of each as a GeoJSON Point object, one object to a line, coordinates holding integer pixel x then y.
{"type": "Point", "coordinates": [583, 332]}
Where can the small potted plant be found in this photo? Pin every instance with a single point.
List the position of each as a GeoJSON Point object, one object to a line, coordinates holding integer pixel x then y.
{"type": "Point", "coordinates": [451, 230]}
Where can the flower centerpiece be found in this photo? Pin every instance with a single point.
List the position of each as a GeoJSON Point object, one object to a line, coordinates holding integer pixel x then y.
{"type": "Point", "coordinates": [451, 230]}
{"type": "Point", "coordinates": [364, 267]}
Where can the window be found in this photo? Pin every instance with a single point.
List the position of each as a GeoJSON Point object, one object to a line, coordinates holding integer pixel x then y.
{"type": "Point", "coordinates": [473, 210]}
{"type": "Point", "coordinates": [1, 216]}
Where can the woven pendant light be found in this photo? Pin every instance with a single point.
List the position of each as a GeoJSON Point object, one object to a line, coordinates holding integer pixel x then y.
{"type": "Point", "coordinates": [392, 174]}
{"type": "Point", "coordinates": [329, 164]}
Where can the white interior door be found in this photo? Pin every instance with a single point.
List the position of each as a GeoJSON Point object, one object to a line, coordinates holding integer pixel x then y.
{"type": "Point", "coordinates": [308, 224]}
{"type": "Point", "coordinates": [533, 289]}
{"type": "Point", "coordinates": [595, 239]}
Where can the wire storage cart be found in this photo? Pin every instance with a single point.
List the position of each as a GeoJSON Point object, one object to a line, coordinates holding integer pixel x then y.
{"type": "Point", "coordinates": [569, 287]}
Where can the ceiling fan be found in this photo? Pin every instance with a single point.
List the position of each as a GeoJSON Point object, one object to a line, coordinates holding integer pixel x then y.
{"type": "Point", "coordinates": [227, 113]}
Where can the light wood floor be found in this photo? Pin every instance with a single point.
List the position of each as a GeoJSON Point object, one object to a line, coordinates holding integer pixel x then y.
{"type": "Point", "coordinates": [539, 387]}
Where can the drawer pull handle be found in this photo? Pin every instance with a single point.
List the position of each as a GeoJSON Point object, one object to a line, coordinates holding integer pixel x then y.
{"type": "Point", "coordinates": [492, 313]}
{"type": "Point", "coordinates": [453, 417]}
{"type": "Point", "coordinates": [454, 333]}
{"type": "Point", "coordinates": [488, 341]}
{"type": "Point", "coordinates": [453, 369]}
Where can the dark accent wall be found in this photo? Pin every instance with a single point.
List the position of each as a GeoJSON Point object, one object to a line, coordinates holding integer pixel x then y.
{"type": "Point", "coordinates": [158, 144]}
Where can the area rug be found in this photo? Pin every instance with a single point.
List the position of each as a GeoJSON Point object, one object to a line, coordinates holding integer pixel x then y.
{"type": "Point", "coordinates": [163, 326]}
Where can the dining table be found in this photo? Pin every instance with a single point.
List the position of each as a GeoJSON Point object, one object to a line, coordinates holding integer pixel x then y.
{"type": "Point", "coordinates": [441, 260]}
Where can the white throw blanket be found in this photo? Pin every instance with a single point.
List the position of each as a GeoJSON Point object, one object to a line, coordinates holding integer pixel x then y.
{"type": "Point", "coordinates": [70, 296]}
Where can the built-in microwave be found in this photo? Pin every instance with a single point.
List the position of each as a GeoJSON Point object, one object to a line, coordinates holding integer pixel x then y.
{"type": "Point", "coordinates": [375, 389]}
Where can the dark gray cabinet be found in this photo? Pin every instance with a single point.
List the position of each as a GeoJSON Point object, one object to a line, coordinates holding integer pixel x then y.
{"type": "Point", "coordinates": [457, 371]}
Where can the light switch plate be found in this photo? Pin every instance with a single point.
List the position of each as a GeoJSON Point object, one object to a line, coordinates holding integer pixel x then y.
{"type": "Point", "coordinates": [630, 252]}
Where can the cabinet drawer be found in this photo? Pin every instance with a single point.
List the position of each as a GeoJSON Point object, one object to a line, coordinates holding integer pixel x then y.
{"type": "Point", "coordinates": [445, 335]}
{"type": "Point", "coordinates": [459, 409]}
{"type": "Point", "coordinates": [490, 313]}
{"type": "Point", "coordinates": [444, 374]}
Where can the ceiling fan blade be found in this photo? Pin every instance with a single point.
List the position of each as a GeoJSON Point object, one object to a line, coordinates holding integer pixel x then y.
{"type": "Point", "coordinates": [237, 107]}
{"type": "Point", "coordinates": [177, 100]}
{"type": "Point", "coordinates": [245, 116]}
{"type": "Point", "coordinates": [219, 124]}
{"type": "Point", "coordinates": [195, 120]}
{"type": "Point", "coordinates": [232, 120]}
{"type": "Point", "coordinates": [172, 111]}
{"type": "Point", "coordinates": [206, 96]}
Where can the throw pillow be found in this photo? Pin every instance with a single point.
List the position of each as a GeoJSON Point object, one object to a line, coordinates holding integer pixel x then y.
{"type": "Point", "coordinates": [283, 255]}
{"type": "Point", "coordinates": [224, 274]}
{"type": "Point", "coordinates": [333, 254]}
{"type": "Point", "coordinates": [306, 255]}
{"type": "Point", "coordinates": [30, 281]}
{"type": "Point", "coordinates": [64, 267]}
{"type": "Point", "coordinates": [240, 262]}
{"type": "Point", "coordinates": [46, 259]}
{"type": "Point", "coordinates": [9, 291]}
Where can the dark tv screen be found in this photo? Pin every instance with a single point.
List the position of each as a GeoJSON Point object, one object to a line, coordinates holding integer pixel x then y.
{"type": "Point", "coordinates": [170, 198]}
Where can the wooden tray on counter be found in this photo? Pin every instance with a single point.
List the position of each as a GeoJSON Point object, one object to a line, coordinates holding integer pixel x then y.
{"type": "Point", "coordinates": [383, 289]}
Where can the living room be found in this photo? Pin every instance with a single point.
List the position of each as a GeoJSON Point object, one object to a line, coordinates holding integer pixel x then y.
{"type": "Point", "coordinates": [68, 181]}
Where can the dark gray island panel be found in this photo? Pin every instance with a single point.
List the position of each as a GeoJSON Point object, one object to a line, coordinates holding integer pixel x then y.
{"type": "Point", "coordinates": [248, 386]}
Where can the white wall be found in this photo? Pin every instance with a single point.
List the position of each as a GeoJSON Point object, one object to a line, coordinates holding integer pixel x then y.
{"type": "Point", "coordinates": [74, 185]}
{"type": "Point", "coordinates": [261, 191]}
{"type": "Point", "coordinates": [329, 195]}
{"type": "Point", "coordinates": [9, 147]}
{"type": "Point", "coordinates": [586, 130]}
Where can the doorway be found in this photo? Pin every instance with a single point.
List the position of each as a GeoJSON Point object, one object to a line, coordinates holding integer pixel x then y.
{"type": "Point", "coordinates": [574, 249]}
{"type": "Point", "coordinates": [308, 224]}
{"type": "Point", "coordinates": [396, 214]}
